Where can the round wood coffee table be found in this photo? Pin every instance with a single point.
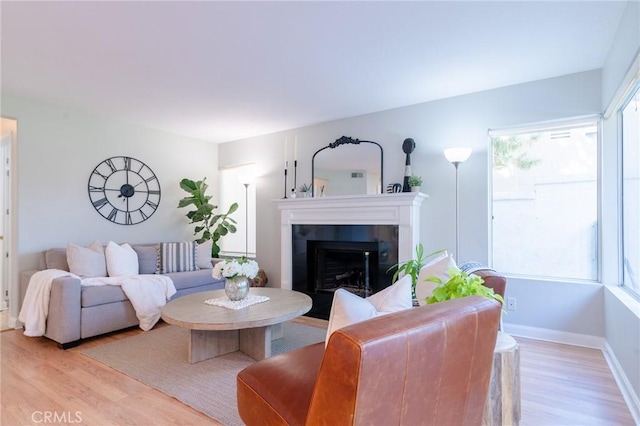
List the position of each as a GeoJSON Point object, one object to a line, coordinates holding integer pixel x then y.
{"type": "Point", "coordinates": [216, 331]}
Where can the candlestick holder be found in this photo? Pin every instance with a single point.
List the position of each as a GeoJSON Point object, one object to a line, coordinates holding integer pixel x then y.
{"type": "Point", "coordinates": [295, 175]}
{"type": "Point", "coordinates": [285, 183]}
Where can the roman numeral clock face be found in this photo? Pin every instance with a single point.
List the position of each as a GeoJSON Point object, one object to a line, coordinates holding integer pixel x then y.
{"type": "Point", "coordinates": [124, 190]}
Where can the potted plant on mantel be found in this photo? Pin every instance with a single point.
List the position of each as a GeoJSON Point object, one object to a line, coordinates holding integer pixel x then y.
{"type": "Point", "coordinates": [415, 182]}
{"type": "Point", "coordinates": [305, 190]}
{"type": "Point", "coordinates": [212, 226]}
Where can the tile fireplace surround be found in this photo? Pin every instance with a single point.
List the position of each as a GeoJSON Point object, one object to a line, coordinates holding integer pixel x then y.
{"type": "Point", "coordinates": [402, 209]}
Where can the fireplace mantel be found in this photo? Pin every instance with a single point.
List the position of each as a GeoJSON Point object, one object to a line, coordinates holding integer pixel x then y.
{"type": "Point", "coordinates": [401, 209]}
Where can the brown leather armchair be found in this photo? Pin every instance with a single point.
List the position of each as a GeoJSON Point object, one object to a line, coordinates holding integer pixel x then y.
{"type": "Point", "coordinates": [424, 366]}
{"type": "Point", "coordinates": [493, 280]}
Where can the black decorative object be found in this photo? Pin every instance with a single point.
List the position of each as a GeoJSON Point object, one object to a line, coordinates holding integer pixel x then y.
{"type": "Point", "coordinates": [124, 190]}
{"type": "Point", "coordinates": [342, 141]}
{"type": "Point", "coordinates": [407, 147]}
{"type": "Point", "coordinates": [393, 188]}
{"type": "Point", "coordinates": [286, 165]}
{"type": "Point", "coordinates": [295, 177]}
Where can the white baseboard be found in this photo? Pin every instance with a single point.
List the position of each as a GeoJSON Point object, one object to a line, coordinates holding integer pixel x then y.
{"type": "Point", "coordinates": [594, 342]}
{"type": "Point", "coordinates": [630, 397]}
{"type": "Point", "coordinates": [555, 336]}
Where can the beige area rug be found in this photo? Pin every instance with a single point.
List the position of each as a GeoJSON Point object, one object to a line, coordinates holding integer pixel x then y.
{"type": "Point", "coordinates": [158, 358]}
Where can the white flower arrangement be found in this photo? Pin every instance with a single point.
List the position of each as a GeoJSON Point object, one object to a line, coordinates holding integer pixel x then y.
{"type": "Point", "coordinates": [231, 268]}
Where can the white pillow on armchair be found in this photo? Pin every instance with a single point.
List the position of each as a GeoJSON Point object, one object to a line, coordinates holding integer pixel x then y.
{"type": "Point", "coordinates": [348, 308]}
{"type": "Point", "coordinates": [438, 267]}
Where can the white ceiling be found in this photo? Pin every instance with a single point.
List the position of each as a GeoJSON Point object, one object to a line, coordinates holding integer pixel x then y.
{"type": "Point", "coordinates": [221, 71]}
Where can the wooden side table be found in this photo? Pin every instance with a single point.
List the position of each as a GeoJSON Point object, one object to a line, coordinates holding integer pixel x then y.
{"type": "Point", "coordinates": [503, 401]}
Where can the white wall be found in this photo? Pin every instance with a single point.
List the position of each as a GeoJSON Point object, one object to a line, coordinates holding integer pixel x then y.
{"type": "Point", "coordinates": [462, 120]}
{"type": "Point", "coordinates": [623, 49]}
{"type": "Point", "coordinates": [58, 149]}
{"type": "Point", "coordinates": [622, 313]}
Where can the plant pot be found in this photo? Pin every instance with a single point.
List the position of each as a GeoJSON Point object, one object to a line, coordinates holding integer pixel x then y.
{"type": "Point", "coordinates": [236, 288]}
{"type": "Point", "coordinates": [415, 189]}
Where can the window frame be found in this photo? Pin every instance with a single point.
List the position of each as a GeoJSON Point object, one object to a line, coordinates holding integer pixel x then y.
{"type": "Point", "coordinates": [632, 91]}
{"type": "Point", "coordinates": [547, 126]}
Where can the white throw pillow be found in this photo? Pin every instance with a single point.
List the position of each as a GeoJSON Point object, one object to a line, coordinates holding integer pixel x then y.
{"type": "Point", "coordinates": [348, 308]}
{"type": "Point", "coordinates": [203, 255]}
{"type": "Point", "coordinates": [87, 262]}
{"type": "Point", "coordinates": [121, 260]}
{"type": "Point", "coordinates": [438, 267]}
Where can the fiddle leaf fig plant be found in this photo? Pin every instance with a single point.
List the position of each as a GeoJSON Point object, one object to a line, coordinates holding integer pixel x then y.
{"type": "Point", "coordinates": [460, 284]}
{"type": "Point", "coordinates": [212, 226]}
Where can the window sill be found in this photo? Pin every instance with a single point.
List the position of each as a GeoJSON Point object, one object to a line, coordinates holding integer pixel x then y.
{"type": "Point", "coordinates": [626, 299]}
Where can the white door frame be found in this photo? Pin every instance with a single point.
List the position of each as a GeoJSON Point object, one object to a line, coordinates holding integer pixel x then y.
{"type": "Point", "coordinates": [5, 225]}
{"type": "Point", "coordinates": [10, 219]}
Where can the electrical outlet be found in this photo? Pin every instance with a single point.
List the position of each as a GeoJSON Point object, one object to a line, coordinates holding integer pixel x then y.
{"type": "Point", "coordinates": [511, 303]}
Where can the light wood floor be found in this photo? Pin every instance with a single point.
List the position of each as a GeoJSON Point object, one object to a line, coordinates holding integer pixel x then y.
{"type": "Point", "coordinates": [561, 385]}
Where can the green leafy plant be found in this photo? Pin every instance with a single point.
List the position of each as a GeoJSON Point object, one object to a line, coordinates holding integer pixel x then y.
{"type": "Point", "coordinates": [415, 180]}
{"type": "Point", "coordinates": [305, 188]}
{"type": "Point", "coordinates": [213, 226]}
{"type": "Point", "coordinates": [459, 285]}
{"type": "Point", "coordinates": [412, 267]}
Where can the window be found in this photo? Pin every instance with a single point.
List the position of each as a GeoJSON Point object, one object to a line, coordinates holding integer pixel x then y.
{"type": "Point", "coordinates": [233, 190]}
{"type": "Point", "coordinates": [630, 131]}
{"type": "Point", "coordinates": [545, 200]}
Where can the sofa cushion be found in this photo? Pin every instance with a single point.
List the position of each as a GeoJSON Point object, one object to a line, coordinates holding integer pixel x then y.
{"type": "Point", "coordinates": [56, 258]}
{"type": "Point", "coordinates": [147, 257]}
{"type": "Point", "coordinates": [203, 255]}
{"type": "Point", "coordinates": [182, 280]}
{"type": "Point", "coordinates": [100, 295]}
{"type": "Point", "coordinates": [87, 262]}
{"type": "Point", "coordinates": [121, 260]}
{"type": "Point", "coordinates": [177, 257]}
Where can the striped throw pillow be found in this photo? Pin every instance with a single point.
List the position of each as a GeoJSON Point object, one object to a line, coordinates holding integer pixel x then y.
{"type": "Point", "coordinates": [177, 257]}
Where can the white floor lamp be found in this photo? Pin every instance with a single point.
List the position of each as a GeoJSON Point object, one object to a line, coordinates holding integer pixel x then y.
{"type": "Point", "coordinates": [246, 180]}
{"type": "Point", "coordinates": [455, 157]}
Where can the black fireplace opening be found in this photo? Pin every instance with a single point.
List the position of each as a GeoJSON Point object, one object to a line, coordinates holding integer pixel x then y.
{"type": "Point", "coordinates": [352, 266]}
{"type": "Point", "coordinates": [355, 258]}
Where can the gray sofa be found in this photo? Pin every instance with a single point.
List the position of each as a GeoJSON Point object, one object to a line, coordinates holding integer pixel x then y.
{"type": "Point", "coordinates": [77, 312]}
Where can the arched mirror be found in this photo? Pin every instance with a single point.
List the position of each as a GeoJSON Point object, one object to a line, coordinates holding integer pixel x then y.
{"type": "Point", "coordinates": [347, 167]}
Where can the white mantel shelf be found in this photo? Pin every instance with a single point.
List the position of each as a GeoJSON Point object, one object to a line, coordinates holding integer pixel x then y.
{"type": "Point", "coordinates": [401, 209]}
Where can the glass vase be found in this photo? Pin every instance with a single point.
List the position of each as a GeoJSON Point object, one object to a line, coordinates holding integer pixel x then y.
{"type": "Point", "coordinates": [236, 288]}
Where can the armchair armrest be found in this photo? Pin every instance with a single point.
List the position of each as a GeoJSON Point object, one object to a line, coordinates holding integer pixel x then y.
{"type": "Point", "coordinates": [493, 279]}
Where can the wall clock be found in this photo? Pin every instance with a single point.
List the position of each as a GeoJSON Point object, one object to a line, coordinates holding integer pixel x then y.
{"type": "Point", "coordinates": [124, 190]}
